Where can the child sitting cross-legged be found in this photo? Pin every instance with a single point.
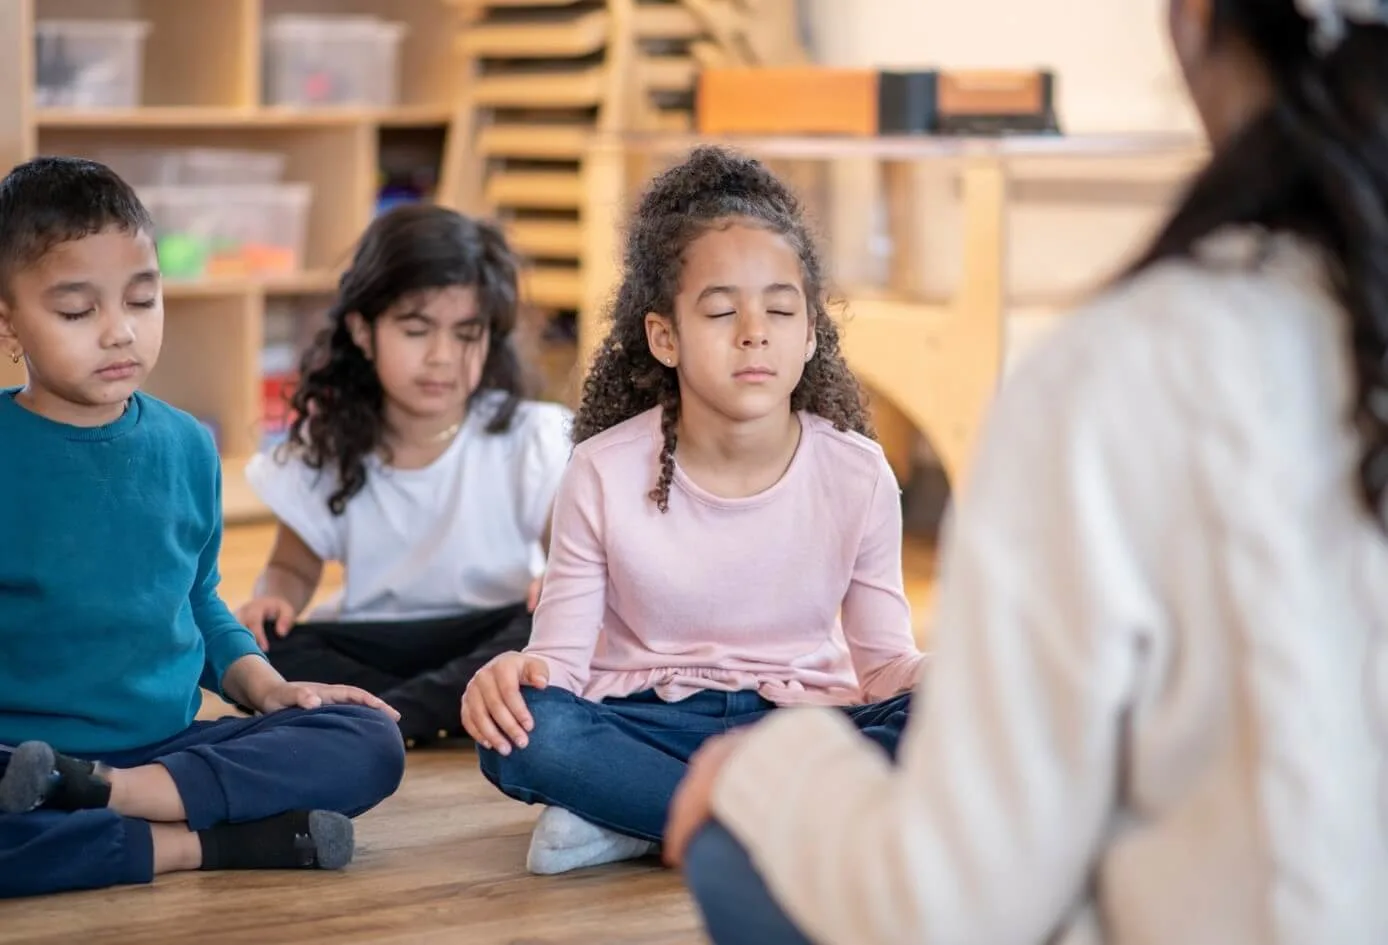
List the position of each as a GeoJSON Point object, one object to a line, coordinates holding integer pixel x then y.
{"type": "Point", "coordinates": [109, 611]}
{"type": "Point", "coordinates": [416, 463]}
{"type": "Point", "coordinates": [726, 539]}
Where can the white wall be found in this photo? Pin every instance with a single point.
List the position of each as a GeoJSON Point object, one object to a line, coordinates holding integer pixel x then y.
{"type": "Point", "coordinates": [1114, 70]}
{"type": "Point", "coordinates": [1114, 74]}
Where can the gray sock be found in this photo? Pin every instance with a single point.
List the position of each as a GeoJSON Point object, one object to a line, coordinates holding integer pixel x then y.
{"type": "Point", "coordinates": [37, 776]}
{"type": "Point", "coordinates": [297, 840]}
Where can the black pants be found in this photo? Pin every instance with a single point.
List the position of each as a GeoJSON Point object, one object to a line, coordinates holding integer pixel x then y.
{"type": "Point", "coordinates": [419, 667]}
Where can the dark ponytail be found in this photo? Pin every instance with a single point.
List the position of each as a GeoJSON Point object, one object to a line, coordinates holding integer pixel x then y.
{"type": "Point", "coordinates": [1314, 164]}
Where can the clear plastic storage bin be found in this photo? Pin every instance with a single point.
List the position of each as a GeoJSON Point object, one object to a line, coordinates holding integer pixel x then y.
{"type": "Point", "coordinates": [332, 60]}
{"type": "Point", "coordinates": [149, 167]}
{"type": "Point", "coordinates": [218, 232]}
{"type": "Point", "coordinates": [89, 63]}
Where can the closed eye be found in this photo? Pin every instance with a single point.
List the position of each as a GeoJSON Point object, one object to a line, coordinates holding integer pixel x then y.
{"type": "Point", "coordinates": [720, 314]}
{"type": "Point", "coordinates": [76, 316]}
{"type": "Point", "coordinates": [787, 314]}
{"type": "Point", "coordinates": [145, 303]}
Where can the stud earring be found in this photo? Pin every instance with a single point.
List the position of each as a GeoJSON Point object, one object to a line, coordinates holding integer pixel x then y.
{"type": "Point", "coordinates": [670, 362]}
{"type": "Point", "coordinates": [16, 357]}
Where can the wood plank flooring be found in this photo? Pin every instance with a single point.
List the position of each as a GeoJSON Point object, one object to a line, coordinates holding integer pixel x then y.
{"type": "Point", "coordinates": [441, 862]}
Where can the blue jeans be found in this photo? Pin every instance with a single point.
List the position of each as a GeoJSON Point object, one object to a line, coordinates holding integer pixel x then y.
{"type": "Point", "coordinates": [343, 758]}
{"type": "Point", "coordinates": [616, 763]}
{"type": "Point", "coordinates": [734, 902]}
{"type": "Point", "coordinates": [736, 906]}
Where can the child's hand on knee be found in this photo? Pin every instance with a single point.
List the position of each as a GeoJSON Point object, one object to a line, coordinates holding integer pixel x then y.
{"type": "Point", "coordinates": [494, 711]}
{"type": "Point", "coordinates": [307, 695]}
{"type": "Point", "coordinates": [262, 612]}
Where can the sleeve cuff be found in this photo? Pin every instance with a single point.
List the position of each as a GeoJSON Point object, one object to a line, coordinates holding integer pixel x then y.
{"type": "Point", "coordinates": [225, 650]}
{"type": "Point", "coordinates": [903, 676]}
{"type": "Point", "coordinates": [559, 676]}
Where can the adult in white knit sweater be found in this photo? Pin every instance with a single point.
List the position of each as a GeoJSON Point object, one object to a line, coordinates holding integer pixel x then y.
{"type": "Point", "coordinates": [1158, 709]}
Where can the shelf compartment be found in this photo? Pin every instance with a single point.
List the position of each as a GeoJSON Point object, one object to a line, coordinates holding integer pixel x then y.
{"type": "Point", "coordinates": [338, 162]}
{"type": "Point", "coordinates": [196, 53]}
{"type": "Point", "coordinates": [429, 69]}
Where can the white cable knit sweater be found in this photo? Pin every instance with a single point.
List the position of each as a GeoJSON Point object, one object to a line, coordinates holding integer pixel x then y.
{"type": "Point", "coordinates": [1157, 713]}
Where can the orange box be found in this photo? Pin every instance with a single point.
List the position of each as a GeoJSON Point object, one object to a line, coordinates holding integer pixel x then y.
{"type": "Point", "coordinates": [790, 100]}
{"type": "Point", "coordinates": [814, 100]}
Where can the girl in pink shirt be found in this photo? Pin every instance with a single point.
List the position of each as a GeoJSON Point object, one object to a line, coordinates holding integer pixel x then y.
{"type": "Point", "coordinates": [726, 539]}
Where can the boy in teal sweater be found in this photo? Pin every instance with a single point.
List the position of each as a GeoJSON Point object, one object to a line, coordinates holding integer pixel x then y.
{"type": "Point", "coordinates": [110, 529]}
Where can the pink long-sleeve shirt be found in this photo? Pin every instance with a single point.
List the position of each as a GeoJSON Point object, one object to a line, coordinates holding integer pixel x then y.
{"type": "Point", "coordinates": [795, 592]}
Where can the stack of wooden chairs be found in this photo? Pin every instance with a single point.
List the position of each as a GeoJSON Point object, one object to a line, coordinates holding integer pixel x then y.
{"type": "Point", "coordinates": [541, 75]}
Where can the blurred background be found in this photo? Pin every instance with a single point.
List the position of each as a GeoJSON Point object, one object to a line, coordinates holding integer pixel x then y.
{"type": "Point", "coordinates": [1027, 151]}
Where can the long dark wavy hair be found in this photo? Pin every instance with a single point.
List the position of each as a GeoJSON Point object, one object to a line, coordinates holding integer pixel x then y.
{"type": "Point", "coordinates": [1315, 164]}
{"type": "Point", "coordinates": [711, 187]}
{"type": "Point", "coordinates": [338, 405]}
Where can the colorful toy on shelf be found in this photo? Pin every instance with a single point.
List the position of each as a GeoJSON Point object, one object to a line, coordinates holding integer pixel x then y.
{"type": "Point", "coordinates": [320, 87]}
{"type": "Point", "coordinates": [185, 256]}
{"type": "Point", "coordinates": [289, 328]}
{"type": "Point", "coordinates": [275, 391]}
{"type": "Point", "coordinates": [182, 255]}
{"type": "Point", "coordinates": [229, 231]}
{"type": "Point", "coordinates": [233, 260]}
{"type": "Point", "coordinates": [408, 186]}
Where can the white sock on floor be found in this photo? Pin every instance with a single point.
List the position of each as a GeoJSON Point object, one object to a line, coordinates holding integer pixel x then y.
{"type": "Point", "coordinates": [564, 841]}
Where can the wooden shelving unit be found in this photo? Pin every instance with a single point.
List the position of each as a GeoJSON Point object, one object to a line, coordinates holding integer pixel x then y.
{"type": "Point", "coordinates": [542, 76]}
{"type": "Point", "coordinates": [202, 87]}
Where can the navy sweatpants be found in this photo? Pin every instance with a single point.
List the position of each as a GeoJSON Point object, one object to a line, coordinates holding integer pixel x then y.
{"type": "Point", "coordinates": [338, 758]}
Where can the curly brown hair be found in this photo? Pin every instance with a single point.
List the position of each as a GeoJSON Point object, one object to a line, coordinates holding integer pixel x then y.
{"type": "Point", "coordinates": [713, 186]}
{"type": "Point", "coordinates": [338, 405]}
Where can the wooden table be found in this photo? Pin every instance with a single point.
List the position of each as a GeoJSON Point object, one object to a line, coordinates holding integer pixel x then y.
{"type": "Point", "coordinates": [939, 363]}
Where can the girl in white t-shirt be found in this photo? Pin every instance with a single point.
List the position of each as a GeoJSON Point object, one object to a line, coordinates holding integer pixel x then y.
{"type": "Point", "coordinates": [414, 461]}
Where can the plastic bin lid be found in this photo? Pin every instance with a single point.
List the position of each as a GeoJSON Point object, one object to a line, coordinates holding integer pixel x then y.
{"type": "Point", "coordinates": [132, 29]}
{"type": "Point", "coordinates": [296, 193]}
{"type": "Point", "coordinates": [304, 26]}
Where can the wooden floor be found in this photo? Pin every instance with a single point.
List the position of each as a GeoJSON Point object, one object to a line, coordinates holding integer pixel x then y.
{"type": "Point", "coordinates": [441, 862]}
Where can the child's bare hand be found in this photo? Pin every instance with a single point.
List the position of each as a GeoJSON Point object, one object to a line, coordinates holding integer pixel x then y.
{"type": "Point", "coordinates": [308, 695]}
{"type": "Point", "coordinates": [261, 612]}
{"type": "Point", "coordinates": [494, 711]}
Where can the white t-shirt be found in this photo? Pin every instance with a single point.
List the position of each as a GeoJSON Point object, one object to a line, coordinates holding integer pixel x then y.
{"type": "Point", "coordinates": [460, 535]}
